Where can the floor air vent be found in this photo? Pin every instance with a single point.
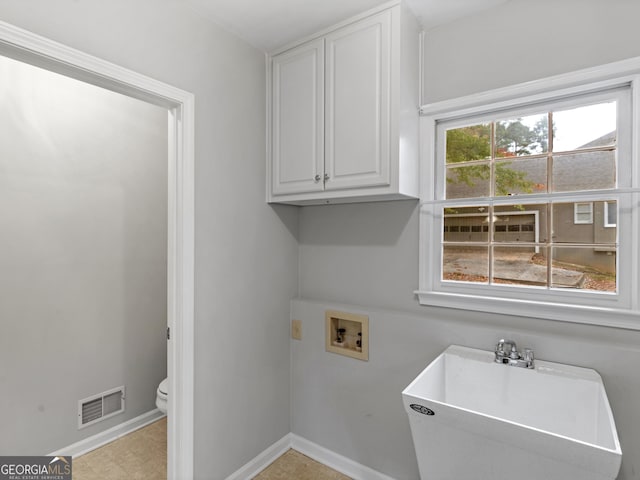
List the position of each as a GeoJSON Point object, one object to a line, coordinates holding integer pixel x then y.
{"type": "Point", "coordinates": [100, 407]}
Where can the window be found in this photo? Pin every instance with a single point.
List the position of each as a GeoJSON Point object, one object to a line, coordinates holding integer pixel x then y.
{"type": "Point", "coordinates": [610, 214]}
{"type": "Point", "coordinates": [561, 151]}
{"type": "Point", "coordinates": [521, 199]}
{"type": "Point", "coordinates": [583, 213]}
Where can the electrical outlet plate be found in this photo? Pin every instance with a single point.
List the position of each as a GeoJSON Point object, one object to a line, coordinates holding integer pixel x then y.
{"type": "Point", "coordinates": [341, 334]}
{"type": "Point", "coordinates": [296, 329]}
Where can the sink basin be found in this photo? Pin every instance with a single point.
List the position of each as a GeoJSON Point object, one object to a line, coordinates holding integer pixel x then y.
{"type": "Point", "coordinates": [472, 418]}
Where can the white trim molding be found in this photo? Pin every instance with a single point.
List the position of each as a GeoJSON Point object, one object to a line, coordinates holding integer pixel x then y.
{"type": "Point", "coordinates": [114, 433]}
{"type": "Point", "coordinates": [36, 50]}
{"type": "Point", "coordinates": [331, 459]}
{"type": "Point", "coordinates": [599, 77]}
{"type": "Point", "coordinates": [262, 460]}
{"type": "Point", "coordinates": [338, 462]}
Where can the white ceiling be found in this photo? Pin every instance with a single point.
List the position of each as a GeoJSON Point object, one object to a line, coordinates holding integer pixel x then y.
{"type": "Point", "coordinates": [269, 24]}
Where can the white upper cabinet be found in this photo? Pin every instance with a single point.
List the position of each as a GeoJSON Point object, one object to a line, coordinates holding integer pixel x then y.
{"type": "Point", "coordinates": [298, 119]}
{"type": "Point", "coordinates": [357, 104]}
{"type": "Point", "coordinates": [344, 113]}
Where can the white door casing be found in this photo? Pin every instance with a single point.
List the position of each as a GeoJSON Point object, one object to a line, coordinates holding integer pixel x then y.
{"type": "Point", "coordinates": [39, 51]}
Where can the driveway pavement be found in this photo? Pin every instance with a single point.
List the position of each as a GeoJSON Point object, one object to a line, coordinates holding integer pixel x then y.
{"type": "Point", "coordinates": [512, 267]}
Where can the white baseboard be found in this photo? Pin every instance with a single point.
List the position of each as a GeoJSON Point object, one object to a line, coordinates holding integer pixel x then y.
{"type": "Point", "coordinates": [262, 460]}
{"type": "Point", "coordinates": [321, 454]}
{"type": "Point", "coordinates": [108, 436]}
{"type": "Point", "coordinates": [345, 465]}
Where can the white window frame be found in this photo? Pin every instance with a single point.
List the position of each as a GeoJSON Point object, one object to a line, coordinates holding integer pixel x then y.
{"type": "Point", "coordinates": [615, 310]}
{"type": "Point", "coordinates": [577, 212]}
{"type": "Point", "coordinates": [607, 223]}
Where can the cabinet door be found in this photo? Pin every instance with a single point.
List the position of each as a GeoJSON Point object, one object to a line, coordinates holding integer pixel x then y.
{"type": "Point", "coordinates": [357, 104]}
{"type": "Point", "coordinates": [297, 164]}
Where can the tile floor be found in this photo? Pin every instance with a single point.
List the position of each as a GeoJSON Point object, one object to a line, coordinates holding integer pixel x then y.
{"type": "Point", "coordinates": [142, 455]}
{"type": "Point", "coordinates": [293, 465]}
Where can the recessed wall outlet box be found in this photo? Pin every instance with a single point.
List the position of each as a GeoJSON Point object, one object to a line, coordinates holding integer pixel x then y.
{"type": "Point", "coordinates": [296, 329]}
{"type": "Point", "coordinates": [347, 334]}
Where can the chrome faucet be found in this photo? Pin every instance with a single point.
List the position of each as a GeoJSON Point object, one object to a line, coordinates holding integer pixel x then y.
{"type": "Point", "coordinates": [507, 353]}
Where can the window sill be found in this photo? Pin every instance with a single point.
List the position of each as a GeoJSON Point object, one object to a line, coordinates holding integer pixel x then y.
{"type": "Point", "coordinates": [606, 317]}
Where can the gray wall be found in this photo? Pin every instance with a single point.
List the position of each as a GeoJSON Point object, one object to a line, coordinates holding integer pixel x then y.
{"type": "Point", "coordinates": [366, 255]}
{"type": "Point", "coordinates": [83, 209]}
{"type": "Point", "coordinates": [246, 250]}
{"type": "Point", "coordinates": [521, 41]}
{"type": "Point", "coordinates": [355, 408]}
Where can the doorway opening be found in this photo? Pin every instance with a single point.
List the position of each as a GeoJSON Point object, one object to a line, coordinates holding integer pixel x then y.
{"type": "Point", "coordinates": [32, 49]}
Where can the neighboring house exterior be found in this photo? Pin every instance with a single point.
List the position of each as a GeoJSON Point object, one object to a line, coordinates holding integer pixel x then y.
{"type": "Point", "coordinates": [590, 223]}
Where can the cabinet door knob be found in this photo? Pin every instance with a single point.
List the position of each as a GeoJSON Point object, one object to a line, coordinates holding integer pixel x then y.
{"type": "Point", "coordinates": [326, 177]}
{"type": "Point", "coordinates": [317, 178]}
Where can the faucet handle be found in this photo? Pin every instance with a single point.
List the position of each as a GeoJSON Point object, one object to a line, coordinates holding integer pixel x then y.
{"type": "Point", "coordinates": [501, 343]}
{"type": "Point", "coordinates": [527, 356]}
{"type": "Point", "coordinates": [511, 351]}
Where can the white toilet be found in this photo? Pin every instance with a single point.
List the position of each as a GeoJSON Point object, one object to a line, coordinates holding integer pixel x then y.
{"type": "Point", "coordinates": [161, 395]}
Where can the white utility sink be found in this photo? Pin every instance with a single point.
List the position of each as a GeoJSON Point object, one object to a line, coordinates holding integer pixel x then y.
{"type": "Point", "coordinates": [474, 419]}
